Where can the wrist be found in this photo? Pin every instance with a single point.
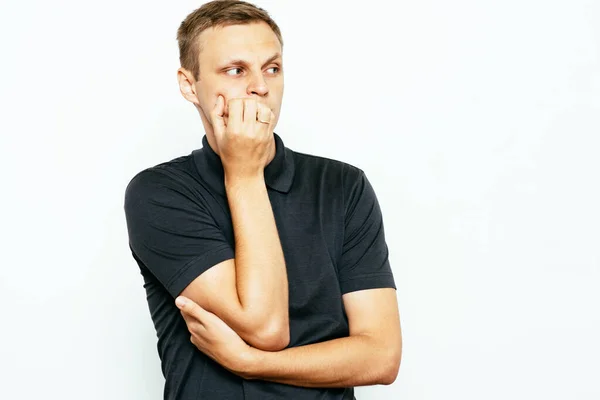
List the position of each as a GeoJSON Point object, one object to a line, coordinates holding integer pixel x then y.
{"type": "Point", "coordinates": [248, 363]}
{"type": "Point", "coordinates": [237, 180]}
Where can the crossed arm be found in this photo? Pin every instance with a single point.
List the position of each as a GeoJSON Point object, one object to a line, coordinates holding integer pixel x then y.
{"type": "Point", "coordinates": [237, 312]}
{"type": "Point", "coordinates": [370, 355]}
{"type": "Point", "coordinates": [250, 292]}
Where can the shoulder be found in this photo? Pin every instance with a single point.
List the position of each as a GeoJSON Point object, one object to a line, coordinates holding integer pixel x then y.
{"type": "Point", "coordinates": [340, 179]}
{"type": "Point", "coordinates": [173, 176]}
{"type": "Point", "coordinates": [328, 168]}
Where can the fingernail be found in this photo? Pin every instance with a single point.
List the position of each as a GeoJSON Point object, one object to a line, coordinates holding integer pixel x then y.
{"type": "Point", "coordinates": [180, 302]}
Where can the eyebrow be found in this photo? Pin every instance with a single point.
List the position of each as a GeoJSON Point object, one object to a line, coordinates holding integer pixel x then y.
{"type": "Point", "coordinates": [245, 63]}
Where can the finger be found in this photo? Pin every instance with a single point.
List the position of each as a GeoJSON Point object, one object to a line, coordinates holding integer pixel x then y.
{"type": "Point", "coordinates": [236, 114]}
{"type": "Point", "coordinates": [272, 122]}
{"type": "Point", "coordinates": [250, 107]}
{"type": "Point", "coordinates": [217, 115]}
{"type": "Point", "coordinates": [190, 309]}
{"type": "Point", "coordinates": [189, 319]}
{"type": "Point", "coordinates": [264, 114]}
{"type": "Point", "coordinates": [264, 118]}
{"type": "Point", "coordinates": [250, 110]}
{"type": "Point", "coordinates": [194, 326]}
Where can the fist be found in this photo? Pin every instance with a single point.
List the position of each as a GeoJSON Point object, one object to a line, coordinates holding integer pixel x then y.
{"type": "Point", "coordinates": [244, 134]}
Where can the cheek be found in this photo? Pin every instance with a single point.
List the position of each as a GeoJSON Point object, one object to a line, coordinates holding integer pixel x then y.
{"type": "Point", "coordinates": [230, 93]}
{"type": "Point", "coordinates": [209, 90]}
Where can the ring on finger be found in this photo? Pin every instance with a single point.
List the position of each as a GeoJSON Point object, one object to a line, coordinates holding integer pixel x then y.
{"type": "Point", "coordinates": [262, 119]}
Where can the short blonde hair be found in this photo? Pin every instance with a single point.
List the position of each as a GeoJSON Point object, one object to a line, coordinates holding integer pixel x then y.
{"type": "Point", "coordinates": [212, 14]}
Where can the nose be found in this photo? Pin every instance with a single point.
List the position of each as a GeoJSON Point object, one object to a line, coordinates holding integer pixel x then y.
{"type": "Point", "coordinates": [258, 85]}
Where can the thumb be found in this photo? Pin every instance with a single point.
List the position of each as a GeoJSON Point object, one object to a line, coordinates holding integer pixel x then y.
{"type": "Point", "coordinates": [189, 307]}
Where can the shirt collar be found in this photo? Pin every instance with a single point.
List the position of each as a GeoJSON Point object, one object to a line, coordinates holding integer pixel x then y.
{"type": "Point", "coordinates": [279, 174]}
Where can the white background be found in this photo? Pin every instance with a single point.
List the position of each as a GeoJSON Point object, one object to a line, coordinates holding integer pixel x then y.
{"type": "Point", "coordinates": [477, 123]}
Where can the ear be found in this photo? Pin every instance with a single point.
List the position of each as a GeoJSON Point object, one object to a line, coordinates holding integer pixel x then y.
{"type": "Point", "coordinates": [186, 85]}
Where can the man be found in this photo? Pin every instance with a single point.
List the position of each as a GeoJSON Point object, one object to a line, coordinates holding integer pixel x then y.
{"type": "Point", "coordinates": [266, 270]}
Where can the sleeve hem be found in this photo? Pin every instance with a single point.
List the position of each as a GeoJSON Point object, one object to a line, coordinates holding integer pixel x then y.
{"type": "Point", "coordinates": [377, 281]}
{"type": "Point", "coordinates": [196, 267]}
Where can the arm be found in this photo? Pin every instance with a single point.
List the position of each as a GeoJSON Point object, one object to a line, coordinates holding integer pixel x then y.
{"type": "Point", "coordinates": [370, 355]}
{"type": "Point", "coordinates": [250, 293]}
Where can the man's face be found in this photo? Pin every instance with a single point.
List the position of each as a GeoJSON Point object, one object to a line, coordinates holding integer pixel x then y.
{"type": "Point", "coordinates": [239, 61]}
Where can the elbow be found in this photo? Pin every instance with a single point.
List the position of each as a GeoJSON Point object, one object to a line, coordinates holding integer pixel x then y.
{"type": "Point", "coordinates": [390, 374]}
{"type": "Point", "coordinates": [271, 336]}
{"type": "Point", "coordinates": [391, 366]}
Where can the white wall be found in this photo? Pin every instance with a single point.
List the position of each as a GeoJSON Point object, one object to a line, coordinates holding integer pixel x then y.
{"type": "Point", "coordinates": [476, 121]}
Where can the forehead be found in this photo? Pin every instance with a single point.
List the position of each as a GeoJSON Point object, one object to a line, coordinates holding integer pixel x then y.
{"type": "Point", "coordinates": [247, 41]}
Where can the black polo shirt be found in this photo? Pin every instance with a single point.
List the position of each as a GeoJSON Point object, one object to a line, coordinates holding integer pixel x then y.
{"type": "Point", "coordinates": [331, 231]}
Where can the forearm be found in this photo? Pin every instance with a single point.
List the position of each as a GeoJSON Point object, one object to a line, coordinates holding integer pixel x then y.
{"type": "Point", "coordinates": [260, 272]}
{"type": "Point", "coordinates": [345, 362]}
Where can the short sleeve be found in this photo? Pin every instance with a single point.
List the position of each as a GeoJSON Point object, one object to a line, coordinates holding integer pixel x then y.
{"type": "Point", "coordinates": [171, 231]}
{"type": "Point", "coordinates": [364, 262]}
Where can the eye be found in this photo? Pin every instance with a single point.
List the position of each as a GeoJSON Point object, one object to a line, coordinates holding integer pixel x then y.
{"type": "Point", "coordinates": [228, 72]}
{"type": "Point", "coordinates": [275, 68]}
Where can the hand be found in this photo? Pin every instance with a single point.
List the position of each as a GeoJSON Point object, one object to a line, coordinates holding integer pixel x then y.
{"type": "Point", "coordinates": [214, 337]}
{"type": "Point", "coordinates": [246, 145]}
